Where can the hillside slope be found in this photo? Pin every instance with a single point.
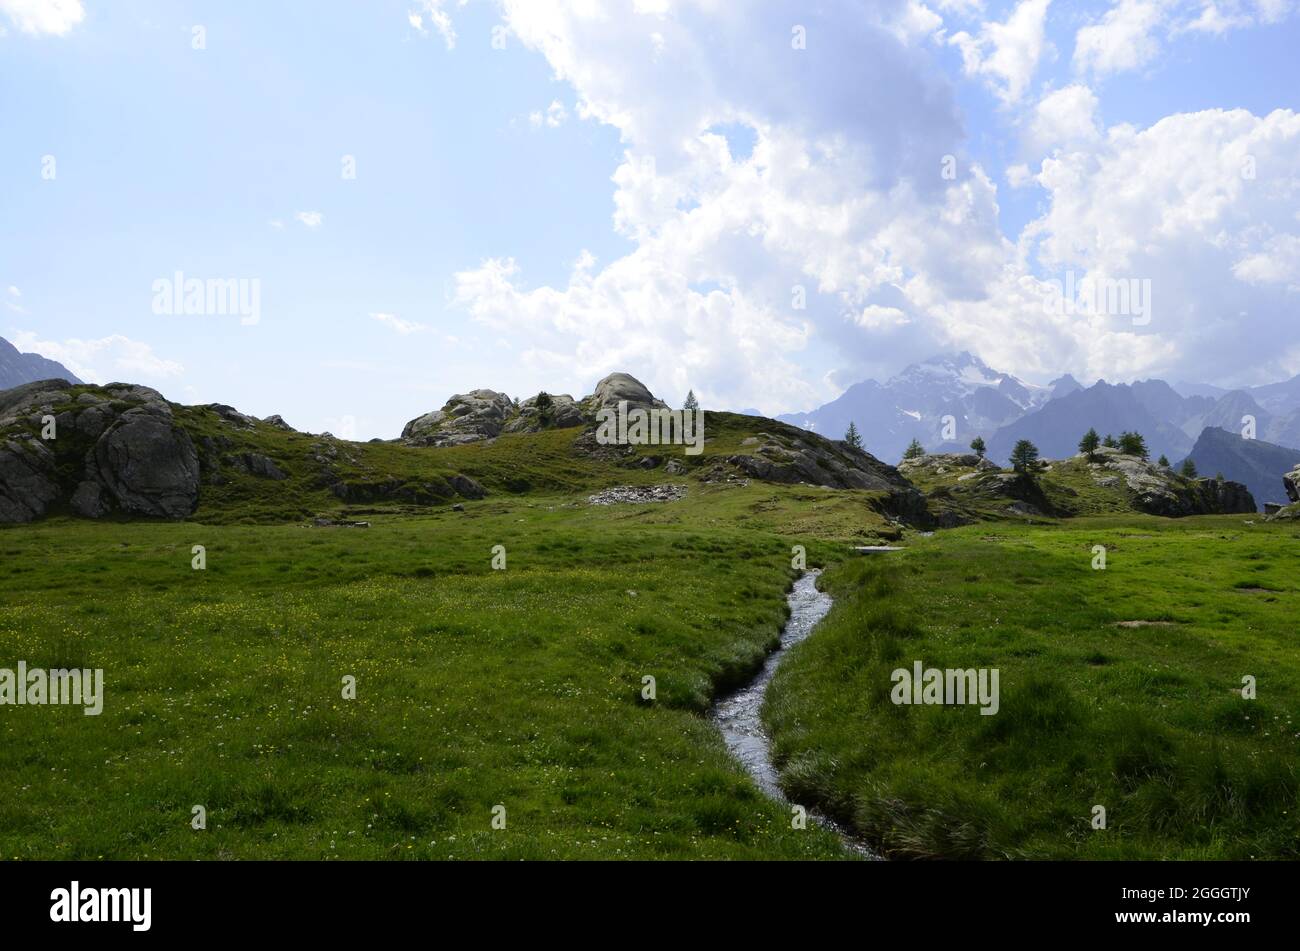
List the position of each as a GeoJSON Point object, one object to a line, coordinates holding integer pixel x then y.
{"type": "Point", "coordinates": [125, 450]}
{"type": "Point", "coordinates": [1259, 465]}
{"type": "Point", "coordinates": [962, 489]}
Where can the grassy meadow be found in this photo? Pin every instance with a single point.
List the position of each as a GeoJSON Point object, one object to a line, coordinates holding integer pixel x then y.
{"type": "Point", "coordinates": [1147, 720]}
{"type": "Point", "coordinates": [475, 687]}
{"type": "Point", "coordinates": [522, 687]}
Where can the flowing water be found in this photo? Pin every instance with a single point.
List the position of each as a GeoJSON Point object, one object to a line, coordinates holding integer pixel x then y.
{"type": "Point", "coordinates": [737, 715]}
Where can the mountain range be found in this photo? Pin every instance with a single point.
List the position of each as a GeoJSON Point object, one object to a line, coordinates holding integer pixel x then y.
{"type": "Point", "coordinates": [948, 400]}
{"type": "Point", "coordinates": [17, 368]}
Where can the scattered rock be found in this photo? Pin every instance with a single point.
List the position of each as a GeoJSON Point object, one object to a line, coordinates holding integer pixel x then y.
{"type": "Point", "coordinates": [277, 421]}
{"type": "Point", "coordinates": [232, 416]}
{"type": "Point", "coordinates": [466, 487]}
{"type": "Point", "coordinates": [637, 494]}
{"type": "Point", "coordinates": [256, 464]}
{"type": "Point", "coordinates": [322, 522]}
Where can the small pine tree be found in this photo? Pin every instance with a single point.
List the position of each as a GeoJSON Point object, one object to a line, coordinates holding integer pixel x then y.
{"type": "Point", "coordinates": [691, 402]}
{"type": "Point", "coordinates": [1132, 444]}
{"type": "Point", "coordinates": [1163, 461]}
{"type": "Point", "coordinates": [1109, 442]}
{"type": "Point", "coordinates": [1089, 443]}
{"type": "Point", "coordinates": [915, 450]}
{"type": "Point", "coordinates": [852, 437]}
{"type": "Point", "coordinates": [1024, 457]}
{"type": "Point", "coordinates": [545, 407]}
{"type": "Point", "coordinates": [978, 447]}
{"type": "Point", "coordinates": [1188, 469]}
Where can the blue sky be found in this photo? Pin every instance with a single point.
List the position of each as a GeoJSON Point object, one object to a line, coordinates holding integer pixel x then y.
{"type": "Point", "coordinates": [641, 185]}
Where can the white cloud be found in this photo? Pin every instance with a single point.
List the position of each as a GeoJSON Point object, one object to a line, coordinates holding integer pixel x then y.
{"type": "Point", "coordinates": [1065, 118]}
{"type": "Point", "coordinates": [276, 223]}
{"type": "Point", "coordinates": [1123, 39]}
{"type": "Point", "coordinates": [106, 360]}
{"type": "Point", "coordinates": [1007, 54]}
{"type": "Point", "coordinates": [311, 219]}
{"type": "Point", "coordinates": [54, 17]}
{"type": "Point", "coordinates": [720, 243]}
{"type": "Point", "coordinates": [1203, 205]}
{"type": "Point", "coordinates": [403, 327]}
{"type": "Point", "coordinates": [554, 116]}
{"type": "Point", "coordinates": [1277, 262]}
{"type": "Point", "coordinates": [1132, 33]}
{"type": "Point", "coordinates": [14, 291]}
{"type": "Point", "coordinates": [875, 317]}
{"type": "Point", "coordinates": [842, 198]}
{"type": "Point", "coordinates": [439, 19]}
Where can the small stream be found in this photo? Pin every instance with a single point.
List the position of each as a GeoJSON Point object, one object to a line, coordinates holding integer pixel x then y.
{"type": "Point", "coordinates": [737, 715]}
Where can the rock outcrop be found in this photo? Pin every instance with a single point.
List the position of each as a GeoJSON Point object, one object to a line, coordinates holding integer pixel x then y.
{"type": "Point", "coordinates": [617, 388]}
{"type": "Point", "coordinates": [466, 417]}
{"type": "Point", "coordinates": [1291, 483]}
{"type": "Point", "coordinates": [1161, 491]}
{"type": "Point", "coordinates": [485, 414]}
{"type": "Point", "coordinates": [563, 413]}
{"type": "Point", "coordinates": [116, 447]}
{"type": "Point", "coordinates": [788, 455]}
{"type": "Point", "coordinates": [27, 480]}
{"type": "Point", "coordinates": [147, 464]}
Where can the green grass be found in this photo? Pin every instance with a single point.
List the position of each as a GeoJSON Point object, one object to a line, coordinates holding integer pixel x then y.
{"type": "Point", "coordinates": [1148, 722]}
{"type": "Point", "coordinates": [475, 687]}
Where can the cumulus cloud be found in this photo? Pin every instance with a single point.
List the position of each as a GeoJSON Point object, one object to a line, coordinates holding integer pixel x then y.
{"type": "Point", "coordinates": [310, 219]}
{"type": "Point", "coordinates": [107, 360]}
{"type": "Point", "coordinates": [1064, 118]}
{"type": "Point", "coordinates": [1123, 39]}
{"type": "Point", "coordinates": [1204, 206]}
{"type": "Point", "coordinates": [54, 17]}
{"type": "Point", "coordinates": [751, 276]}
{"type": "Point", "coordinates": [738, 262]}
{"type": "Point", "coordinates": [1007, 54]}
{"type": "Point", "coordinates": [1132, 33]}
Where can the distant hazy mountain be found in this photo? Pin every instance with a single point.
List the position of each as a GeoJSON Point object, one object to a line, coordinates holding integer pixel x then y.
{"type": "Point", "coordinates": [17, 368]}
{"type": "Point", "coordinates": [1002, 409]}
{"type": "Point", "coordinates": [1064, 386]}
{"type": "Point", "coordinates": [913, 404]}
{"type": "Point", "coordinates": [1260, 465]}
{"type": "Point", "coordinates": [1058, 426]}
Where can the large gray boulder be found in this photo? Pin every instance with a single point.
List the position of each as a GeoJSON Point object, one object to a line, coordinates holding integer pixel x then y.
{"type": "Point", "coordinates": [467, 417]}
{"type": "Point", "coordinates": [619, 387]}
{"type": "Point", "coordinates": [1291, 482]}
{"type": "Point", "coordinates": [27, 480]}
{"type": "Point", "coordinates": [148, 465]}
{"type": "Point", "coordinates": [131, 454]}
